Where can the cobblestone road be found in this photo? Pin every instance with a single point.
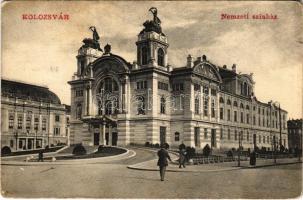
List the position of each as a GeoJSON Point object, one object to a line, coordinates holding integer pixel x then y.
{"type": "Point", "coordinates": [114, 180]}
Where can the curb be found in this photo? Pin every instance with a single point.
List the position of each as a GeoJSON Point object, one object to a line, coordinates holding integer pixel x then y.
{"type": "Point", "coordinates": [191, 171]}
{"type": "Point", "coordinates": [76, 161]}
{"type": "Point", "coordinates": [270, 165]}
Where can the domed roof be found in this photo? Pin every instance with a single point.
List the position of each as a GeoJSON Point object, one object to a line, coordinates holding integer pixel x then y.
{"type": "Point", "coordinates": [28, 91]}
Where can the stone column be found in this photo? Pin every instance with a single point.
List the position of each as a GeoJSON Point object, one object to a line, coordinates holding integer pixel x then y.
{"type": "Point", "coordinates": [103, 133]}
{"type": "Point", "coordinates": [209, 103]}
{"type": "Point", "coordinates": [110, 135]}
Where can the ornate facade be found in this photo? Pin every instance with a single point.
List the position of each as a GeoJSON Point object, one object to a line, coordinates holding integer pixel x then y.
{"type": "Point", "coordinates": [114, 102]}
{"type": "Point", "coordinates": [32, 117]}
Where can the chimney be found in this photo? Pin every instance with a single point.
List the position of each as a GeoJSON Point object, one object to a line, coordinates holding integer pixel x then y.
{"type": "Point", "coordinates": [234, 68]}
{"type": "Point", "coordinates": [204, 57]}
{"type": "Point", "coordinates": [190, 61]}
{"type": "Point", "coordinates": [224, 66]}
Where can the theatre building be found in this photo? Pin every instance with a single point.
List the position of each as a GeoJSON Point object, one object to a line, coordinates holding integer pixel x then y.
{"type": "Point", "coordinates": [32, 117]}
{"type": "Point", "coordinates": [114, 102]}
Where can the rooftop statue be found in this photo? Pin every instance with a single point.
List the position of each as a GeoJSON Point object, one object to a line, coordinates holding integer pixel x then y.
{"type": "Point", "coordinates": [95, 33]}
{"type": "Point", "coordinates": [154, 11]}
{"type": "Point", "coordinates": [153, 25]}
{"type": "Point", "coordinates": [93, 43]}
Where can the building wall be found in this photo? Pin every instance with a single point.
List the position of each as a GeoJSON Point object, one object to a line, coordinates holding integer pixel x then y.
{"type": "Point", "coordinates": [24, 131]}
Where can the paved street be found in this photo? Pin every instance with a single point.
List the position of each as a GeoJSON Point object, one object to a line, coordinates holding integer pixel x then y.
{"type": "Point", "coordinates": [114, 180]}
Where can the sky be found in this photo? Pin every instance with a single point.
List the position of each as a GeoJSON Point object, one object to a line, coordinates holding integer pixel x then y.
{"type": "Point", "coordinates": [44, 52]}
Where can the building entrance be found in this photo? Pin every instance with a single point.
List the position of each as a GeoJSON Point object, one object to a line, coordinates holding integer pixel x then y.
{"type": "Point", "coordinates": [96, 138]}
{"type": "Point", "coordinates": [114, 138]}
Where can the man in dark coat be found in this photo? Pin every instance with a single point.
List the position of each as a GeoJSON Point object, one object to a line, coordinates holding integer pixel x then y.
{"type": "Point", "coordinates": [162, 161]}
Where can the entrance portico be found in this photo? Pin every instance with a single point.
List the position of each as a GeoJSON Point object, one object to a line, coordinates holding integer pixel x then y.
{"type": "Point", "coordinates": [104, 130]}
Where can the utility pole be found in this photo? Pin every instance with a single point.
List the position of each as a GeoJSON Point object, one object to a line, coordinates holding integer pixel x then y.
{"type": "Point", "coordinates": [280, 127]}
{"type": "Point", "coordinates": [239, 151]}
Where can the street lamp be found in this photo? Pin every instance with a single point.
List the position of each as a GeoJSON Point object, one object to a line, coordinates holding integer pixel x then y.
{"type": "Point", "coordinates": [16, 137]}
{"type": "Point", "coordinates": [239, 149]}
{"type": "Point", "coordinates": [280, 124]}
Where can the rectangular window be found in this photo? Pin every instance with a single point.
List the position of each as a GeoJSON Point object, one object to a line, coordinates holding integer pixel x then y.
{"type": "Point", "coordinates": [221, 133]}
{"type": "Point", "coordinates": [263, 122]}
{"type": "Point", "coordinates": [178, 87]}
{"type": "Point", "coordinates": [259, 121]}
{"type": "Point", "coordinates": [43, 124]}
{"type": "Point", "coordinates": [79, 93]}
{"type": "Point", "coordinates": [213, 92]}
{"type": "Point", "coordinates": [197, 87]}
{"type": "Point", "coordinates": [228, 115]}
{"type": "Point", "coordinates": [236, 135]}
{"type": "Point", "coordinates": [28, 123]}
{"type": "Point", "coordinates": [141, 85]}
{"type": "Point", "coordinates": [177, 136]}
{"type": "Point", "coordinates": [267, 139]}
{"type": "Point", "coordinates": [20, 122]}
{"type": "Point", "coordinates": [206, 90]}
{"type": "Point", "coordinates": [242, 117]}
{"type": "Point", "coordinates": [221, 113]}
{"type": "Point", "coordinates": [235, 116]}
{"type": "Point", "coordinates": [197, 106]}
{"type": "Point", "coordinates": [259, 138]}
{"type": "Point", "coordinates": [11, 122]}
{"type": "Point", "coordinates": [57, 118]}
{"type": "Point", "coordinates": [56, 131]}
{"type": "Point", "coordinates": [247, 137]}
{"type": "Point", "coordinates": [36, 123]}
{"type": "Point", "coordinates": [247, 118]}
{"type": "Point", "coordinates": [228, 134]}
{"type": "Point", "coordinates": [254, 120]}
{"type": "Point", "coordinates": [205, 105]}
{"type": "Point", "coordinates": [162, 86]}
{"type": "Point", "coordinates": [263, 139]}
{"type": "Point", "coordinates": [205, 133]}
{"type": "Point", "coordinates": [213, 113]}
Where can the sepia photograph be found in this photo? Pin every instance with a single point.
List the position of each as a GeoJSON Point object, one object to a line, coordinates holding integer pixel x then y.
{"type": "Point", "coordinates": [151, 99]}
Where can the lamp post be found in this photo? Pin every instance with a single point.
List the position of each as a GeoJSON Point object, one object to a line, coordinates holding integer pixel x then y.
{"type": "Point", "coordinates": [239, 149]}
{"type": "Point", "coordinates": [35, 145]}
{"type": "Point", "coordinates": [16, 137]}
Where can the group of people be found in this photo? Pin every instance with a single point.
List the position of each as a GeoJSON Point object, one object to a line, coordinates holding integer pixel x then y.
{"type": "Point", "coordinates": [163, 157]}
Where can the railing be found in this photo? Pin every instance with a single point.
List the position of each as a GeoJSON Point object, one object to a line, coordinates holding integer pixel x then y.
{"type": "Point", "coordinates": [214, 159]}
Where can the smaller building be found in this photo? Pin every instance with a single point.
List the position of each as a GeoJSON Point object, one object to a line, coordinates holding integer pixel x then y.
{"type": "Point", "coordinates": [32, 117]}
{"type": "Point", "coordinates": [294, 133]}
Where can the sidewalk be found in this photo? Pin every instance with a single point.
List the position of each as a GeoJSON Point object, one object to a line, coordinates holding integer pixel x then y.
{"type": "Point", "coordinates": [216, 167]}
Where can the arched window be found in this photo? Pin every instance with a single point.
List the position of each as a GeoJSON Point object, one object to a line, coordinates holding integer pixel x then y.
{"type": "Point", "coordinates": [228, 102]}
{"type": "Point", "coordinates": [245, 89]}
{"type": "Point", "coordinates": [109, 85]}
{"type": "Point", "coordinates": [235, 104]}
{"type": "Point", "coordinates": [221, 100]}
{"type": "Point", "coordinates": [144, 55]}
{"type": "Point", "coordinates": [241, 105]}
{"type": "Point", "coordinates": [247, 107]}
{"type": "Point", "coordinates": [162, 105]}
{"type": "Point", "coordinates": [177, 136]}
{"type": "Point", "coordinates": [160, 57]}
{"type": "Point", "coordinates": [79, 111]}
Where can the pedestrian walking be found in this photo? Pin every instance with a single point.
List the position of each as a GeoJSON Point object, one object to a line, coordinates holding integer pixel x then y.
{"type": "Point", "coordinates": [40, 156]}
{"type": "Point", "coordinates": [182, 157]}
{"type": "Point", "coordinates": [162, 161]}
{"type": "Point", "coordinates": [252, 160]}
